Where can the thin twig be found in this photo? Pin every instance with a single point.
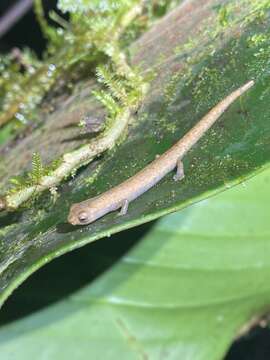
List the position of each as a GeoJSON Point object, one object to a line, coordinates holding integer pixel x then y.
{"type": "Point", "coordinates": [13, 15]}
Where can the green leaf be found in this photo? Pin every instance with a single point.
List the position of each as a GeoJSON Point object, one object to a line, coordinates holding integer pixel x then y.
{"type": "Point", "coordinates": [183, 292]}
{"type": "Point", "coordinates": [197, 62]}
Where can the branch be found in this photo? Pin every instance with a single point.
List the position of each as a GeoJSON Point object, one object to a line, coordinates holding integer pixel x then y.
{"type": "Point", "coordinates": [70, 163]}
{"type": "Point", "coordinates": [74, 160]}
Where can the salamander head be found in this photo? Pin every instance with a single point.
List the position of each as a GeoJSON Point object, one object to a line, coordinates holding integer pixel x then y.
{"type": "Point", "coordinates": [83, 214]}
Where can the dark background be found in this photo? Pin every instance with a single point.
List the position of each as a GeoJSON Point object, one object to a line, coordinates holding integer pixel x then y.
{"type": "Point", "coordinates": [26, 31]}
{"type": "Point", "coordinates": [74, 266]}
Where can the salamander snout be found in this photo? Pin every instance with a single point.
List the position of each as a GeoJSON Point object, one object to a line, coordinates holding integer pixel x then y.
{"type": "Point", "coordinates": [80, 215]}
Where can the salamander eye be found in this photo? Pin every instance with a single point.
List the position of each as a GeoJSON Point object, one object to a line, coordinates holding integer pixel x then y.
{"type": "Point", "coordinates": [83, 217]}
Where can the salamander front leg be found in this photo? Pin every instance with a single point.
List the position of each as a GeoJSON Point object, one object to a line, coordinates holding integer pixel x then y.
{"type": "Point", "coordinates": [179, 171]}
{"type": "Point", "coordinates": [124, 208]}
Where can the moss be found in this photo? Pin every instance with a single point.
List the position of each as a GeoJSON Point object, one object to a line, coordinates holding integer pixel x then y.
{"type": "Point", "coordinates": [257, 39]}
{"type": "Point", "coordinates": [225, 19]}
{"type": "Point", "coordinates": [122, 88]}
{"type": "Point", "coordinates": [25, 80]}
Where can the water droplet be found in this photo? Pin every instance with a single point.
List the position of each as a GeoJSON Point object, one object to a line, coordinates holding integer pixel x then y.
{"type": "Point", "coordinates": [20, 117]}
{"type": "Point", "coordinates": [52, 67]}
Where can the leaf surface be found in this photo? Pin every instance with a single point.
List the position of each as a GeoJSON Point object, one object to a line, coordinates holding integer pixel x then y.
{"type": "Point", "coordinates": [183, 292]}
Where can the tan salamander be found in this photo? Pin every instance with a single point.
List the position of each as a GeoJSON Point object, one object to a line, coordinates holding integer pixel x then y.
{"type": "Point", "coordinates": [121, 195]}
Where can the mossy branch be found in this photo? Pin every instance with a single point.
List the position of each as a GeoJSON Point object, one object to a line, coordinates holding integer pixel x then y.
{"type": "Point", "coordinates": [73, 160]}
{"type": "Point", "coordinates": [70, 163]}
{"type": "Point", "coordinates": [124, 94]}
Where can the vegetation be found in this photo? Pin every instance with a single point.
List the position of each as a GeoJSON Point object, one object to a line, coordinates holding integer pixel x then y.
{"type": "Point", "coordinates": [100, 26]}
{"type": "Point", "coordinates": [161, 291]}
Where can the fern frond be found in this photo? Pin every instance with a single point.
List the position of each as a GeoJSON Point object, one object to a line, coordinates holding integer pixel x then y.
{"type": "Point", "coordinates": [106, 77]}
{"type": "Point", "coordinates": [37, 169]}
{"type": "Point", "coordinates": [108, 101]}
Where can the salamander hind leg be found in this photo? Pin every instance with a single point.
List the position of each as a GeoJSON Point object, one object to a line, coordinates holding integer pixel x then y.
{"type": "Point", "coordinates": [179, 171]}
{"type": "Point", "coordinates": [124, 208]}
